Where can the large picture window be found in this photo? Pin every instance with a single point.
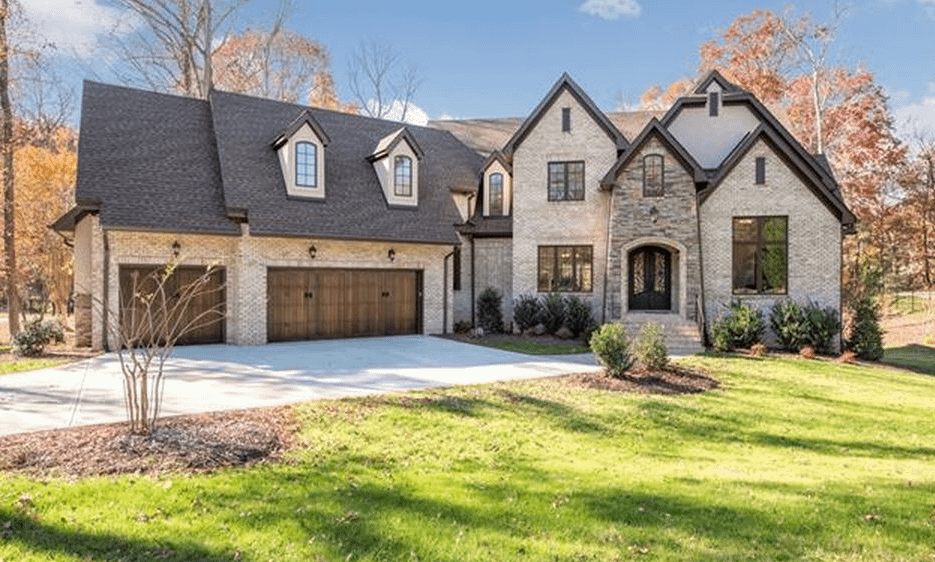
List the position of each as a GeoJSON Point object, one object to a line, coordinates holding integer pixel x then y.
{"type": "Point", "coordinates": [402, 176]}
{"type": "Point", "coordinates": [566, 181]}
{"type": "Point", "coordinates": [653, 174]}
{"type": "Point", "coordinates": [495, 191]}
{"type": "Point", "coordinates": [565, 268]}
{"type": "Point", "coordinates": [306, 164]}
{"type": "Point", "coordinates": [760, 255]}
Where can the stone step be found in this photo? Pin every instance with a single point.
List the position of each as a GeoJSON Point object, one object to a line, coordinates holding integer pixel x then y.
{"type": "Point", "coordinates": [681, 335]}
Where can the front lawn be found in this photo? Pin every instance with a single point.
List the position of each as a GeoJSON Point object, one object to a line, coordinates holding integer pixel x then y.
{"type": "Point", "coordinates": [530, 345]}
{"type": "Point", "coordinates": [10, 363]}
{"type": "Point", "coordinates": [788, 460]}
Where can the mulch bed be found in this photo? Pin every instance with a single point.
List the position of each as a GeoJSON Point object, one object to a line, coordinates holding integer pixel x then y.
{"type": "Point", "coordinates": [672, 380]}
{"type": "Point", "coordinates": [191, 443]}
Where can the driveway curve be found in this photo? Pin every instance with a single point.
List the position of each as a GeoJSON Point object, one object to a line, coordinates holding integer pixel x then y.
{"type": "Point", "coordinates": [224, 377]}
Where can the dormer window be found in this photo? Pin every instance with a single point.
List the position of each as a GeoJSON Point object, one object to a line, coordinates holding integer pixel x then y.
{"type": "Point", "coordinates": [653, 175]}
{"type": "Point", "coordinates": [306, 164]}
{"type": "Point", "coordinates": [402, 174]}
{"type": "Point", "coordinates": [495, 192]}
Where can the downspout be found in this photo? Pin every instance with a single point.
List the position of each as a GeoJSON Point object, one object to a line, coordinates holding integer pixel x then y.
{"type": "Point", "coordinates": [841, 291]}
{"type": "Point", "coordinates": [610, 210]}
{"type": "Point", "coordinates": [445, 294]}
{"type": "Point", "coordinates": [472, 281]}
{"type": "Point", "coordinates": [700, 313]}
{"type": "Point", "coordinates": [105, 313]}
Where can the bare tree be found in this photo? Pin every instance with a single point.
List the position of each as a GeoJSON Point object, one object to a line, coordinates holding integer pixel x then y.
{"type": "Point", "coordinates": [379, 79]}
{"type": "Point", "coordinates": [154, 316]}
{"type": "Point", "coordinates": [6, 168]}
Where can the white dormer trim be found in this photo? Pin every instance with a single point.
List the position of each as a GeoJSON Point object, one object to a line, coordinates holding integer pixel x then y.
{"type": "Point", "coordinates": [495, 167]}
{"type": "Point", "coordinates": [287, 160]}
{"type": "Point", "coordinates": [398, 144]}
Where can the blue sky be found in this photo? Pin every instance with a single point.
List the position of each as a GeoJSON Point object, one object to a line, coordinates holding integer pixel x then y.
{"type": "Point", "coordinates": [488, 58]}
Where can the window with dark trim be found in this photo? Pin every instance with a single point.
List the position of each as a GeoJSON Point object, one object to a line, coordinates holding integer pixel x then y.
{"type": "Point", "coordinates": [714, 99]}
{"type": "Point", "coordinates": [565, 268]}
{"type": "Point", "coordinates": [402, 174]}
{"type": "Point", "coordinates": [306, 164]}
{"type": "Point", "coordinates": [566, 181]}
{"type": "Point", "coordinates": [760, 255]}
{"type": "Point", "coordinates": [653, 175]}
{"type": "Point", "coordinates": [495, 191]}
{"type": "Point", "coordinates": [760, 170]}
{"type": "Point", "coordinates": [456, 269]}
{"type": "Point", "coordinates": [566, 119]}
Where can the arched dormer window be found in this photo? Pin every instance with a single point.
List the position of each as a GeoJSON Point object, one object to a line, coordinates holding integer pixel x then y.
{"type": "Point", "coordinates": [306, 164]}
{"type": "Point", "coordinates": [402, 176]}
{"type": "Point", "coordinates": [653, 175]}
{"type": "Point", "coordinates": [495, 192]}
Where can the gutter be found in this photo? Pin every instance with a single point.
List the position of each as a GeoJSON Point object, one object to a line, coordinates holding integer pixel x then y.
{"type": "Point", "coordinates": [105, 313]}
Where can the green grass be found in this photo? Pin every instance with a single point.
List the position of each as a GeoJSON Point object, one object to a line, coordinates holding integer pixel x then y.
{"type": "Point", "coordinates": [788, 460]}
{"type": "Point", "coordinates": [530, 347]}
{"type": "Point", "coordinates": [915, 357]}
{"type": "Point", "coordinates": [27, 364]}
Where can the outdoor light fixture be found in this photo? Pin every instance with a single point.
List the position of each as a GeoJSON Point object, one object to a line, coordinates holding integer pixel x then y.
{"type": "Point", "coordinates": [653, 214]}
{"type": "Point", "coordinates": [391, 254]}
{"type": "Point", "coordinates": [312, 252]}
{"type": "Point", "coordinates": [176, 248]}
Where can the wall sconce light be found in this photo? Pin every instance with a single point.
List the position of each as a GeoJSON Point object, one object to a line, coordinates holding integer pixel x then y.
{"type": "Point", "coordinates": [653, 214]}
{"type": "Point", "coordinates": [312, 252]}
{"type": "Point", "coordinates": [391, 254]}
{"type": "Point", "coordinates": [176, 248]}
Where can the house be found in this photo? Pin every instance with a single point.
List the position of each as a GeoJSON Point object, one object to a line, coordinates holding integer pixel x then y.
{"type": "Point", "coordinates": [324, 224]}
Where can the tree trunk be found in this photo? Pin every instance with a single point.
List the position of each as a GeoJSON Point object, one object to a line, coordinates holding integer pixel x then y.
{"type": "Point", "coordinates": [6, 169]}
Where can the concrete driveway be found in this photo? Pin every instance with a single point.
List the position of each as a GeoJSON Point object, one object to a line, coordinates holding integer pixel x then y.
{"type": "Point", "coordinates": [223, 377]}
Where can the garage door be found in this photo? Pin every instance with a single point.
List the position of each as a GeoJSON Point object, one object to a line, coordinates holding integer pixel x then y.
{"type": "Point", "coordinates": [210, 297]}
{"type": "Point", "coordinates": [304, 304]}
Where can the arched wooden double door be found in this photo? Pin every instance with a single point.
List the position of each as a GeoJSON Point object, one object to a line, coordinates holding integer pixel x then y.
{"type": "Point", "coordinates": [650, 279]}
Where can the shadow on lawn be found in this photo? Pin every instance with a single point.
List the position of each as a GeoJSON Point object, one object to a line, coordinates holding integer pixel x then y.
{"type": "Point", "coordinates": [55, 541]}
{"type": "Point", "coordinates": [913, 357]}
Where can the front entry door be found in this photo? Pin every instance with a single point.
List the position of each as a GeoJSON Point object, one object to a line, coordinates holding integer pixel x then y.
{"type": "Point", "coordinates": [650, 283]}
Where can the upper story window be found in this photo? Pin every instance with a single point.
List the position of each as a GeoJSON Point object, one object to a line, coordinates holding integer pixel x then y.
{"type": "Point", "coordinates": [495, 192]}
{"type": "Point", "coordinates": [306, 164]}
{"type": "Point", "coordinates": [760, 255]}
{"type": "Point", "coordinates": [714, 99]}
{"type": "Point", "coordinates": [566, 119]}
{"type": "Point", "coordinates": [566, 181]}
{"type": "Point", "coordinates": [653, 175]}
{"type": "Point", "coordinates": [760, 170]}
{"type": "Point", "coordinates": [402, 176]}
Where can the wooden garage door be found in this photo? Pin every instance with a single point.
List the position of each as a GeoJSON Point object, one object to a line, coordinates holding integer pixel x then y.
{"type": "Point", "coordinates": [211, 296]}
{"type": "Point", "coordinates": [304, 304]}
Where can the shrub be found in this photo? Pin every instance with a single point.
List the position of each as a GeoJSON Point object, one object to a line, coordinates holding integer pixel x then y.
{"type": "Point", "coordinates": [795, 325]}
{"type": "Point", "coordinates": [785, 320]}
{"type": "Point", "coordinates": [37, 334]}
{"type": "Point", "coordinates": [489, 315]}
{"type": "Point", "coordinates": [577, 315]}
{"type": "Point", "coordinates": [462, 326]}
{"type": "Point", "coordinates": [526, 311]}
{"type": "Point", "coordinates": [650, 348]}
{"type": "Point", "coordinates": [553, 312]}
{"type": "Point", "coordinates": [742, 326]}
{"type": "Point", "coordinates": [610, 345]}
{"type": "Point", "coordinates": [865, 337]}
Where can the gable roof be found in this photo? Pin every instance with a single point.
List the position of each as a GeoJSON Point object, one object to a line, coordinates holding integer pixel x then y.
{"type": "Point", "coordinates": [565, 83]}
{"type": "Point", "coordinates": [497, 156]}
{"type": "Point", "coordinates": [726, 86]}
{"type": "Point", "coordinates": [793, 158]}
{"type": "Point", "coordinates": [389, 142]}
{"type": "Point", "coordinates": [304, 118]}
{"type": "Point", "coordinates": [653, 129]}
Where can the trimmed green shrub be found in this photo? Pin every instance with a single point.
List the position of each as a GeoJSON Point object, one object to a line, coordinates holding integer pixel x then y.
{"type": "Point", "coordinates": [785, 320]}
{"type": "Point", "coordinates": [650, 348]}
{"type": "Point", "coordinates": [462, 326]}
{"type": "Point", "coordinates": [741, 327]}
{"type": "Point", "coordinates": [489, 314]}
{"type": "Point", "coordinates": [553, 312]}
{"type": "Point", "coordinates": [865, 337]}
{"type": "Point", "coordinates": [37, 334]}
{"type": "Point", "coordinates": [577, 315]}
{"type": "Point", "coordinates": [810, 325]}
{"type": "Point", "coordinates": [526, 311]}
{"type": "Point", "coordinates": [612, 348]}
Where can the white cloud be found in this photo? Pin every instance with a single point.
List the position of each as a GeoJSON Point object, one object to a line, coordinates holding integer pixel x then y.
{"type": "Point", "coordinates": [919, 115]}
{"type": "Point", "coordinates": [611, 9]}
{"type": "Point", "coordinates": [75, 25]}
{"type": "Point", "coordinates": [415, 115]}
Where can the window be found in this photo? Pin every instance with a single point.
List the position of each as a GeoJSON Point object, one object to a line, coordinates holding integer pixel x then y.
{"type": "Point", "coordinates": [760, 170]}
{"type": "Point", "coordinates": [566, 181]}
{"type": "Point", "coordinates": [402, 174]}
{"type": "Point", "coordinates": [761, 248]}
{"type": "Point", "coordinates": [306, 164]}
{"type": "Point", "coordinates": [653, 175]}
{"type": "Point", "coordinates": [714, 99]}
{"type": "Point", "coordinates": [495, 192]}
{"type": "Point", "coordinates": [565, 268]}
{"type": "Point", "coordinates": [566, 119]}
